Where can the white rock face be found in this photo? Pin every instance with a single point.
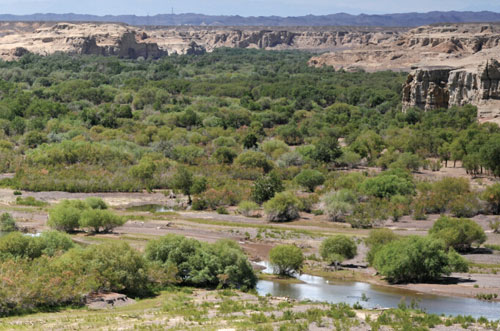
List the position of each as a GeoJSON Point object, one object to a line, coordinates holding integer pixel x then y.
{"type": "Point", "coordinates": [431, 88]}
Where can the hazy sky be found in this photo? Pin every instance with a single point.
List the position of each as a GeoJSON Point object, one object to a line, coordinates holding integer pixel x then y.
{"type": "Point", "coordinates": [240, 7]}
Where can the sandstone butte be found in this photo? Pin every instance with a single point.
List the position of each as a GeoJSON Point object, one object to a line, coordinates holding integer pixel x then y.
{"type": "Point", "coordinates": [449, 64]}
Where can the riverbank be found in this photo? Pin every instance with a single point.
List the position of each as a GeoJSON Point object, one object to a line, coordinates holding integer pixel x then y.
{"type": "Point", "coordinates": [457, 285]}
{"type": "Point", "coordinates": [194, 309]}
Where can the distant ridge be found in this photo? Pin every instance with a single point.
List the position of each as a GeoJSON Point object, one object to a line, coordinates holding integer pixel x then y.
{"type": "Point", "coordinates": [340, 19]}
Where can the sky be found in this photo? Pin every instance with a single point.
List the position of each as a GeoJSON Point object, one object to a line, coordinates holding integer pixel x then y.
{"type": "Point", "coordinates": [241, 7]}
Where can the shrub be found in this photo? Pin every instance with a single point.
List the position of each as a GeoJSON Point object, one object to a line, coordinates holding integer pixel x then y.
{"type": "Point", "coordinates": [247, 208]}
{"type": "Point", "coordinates": [388, 184]}
{"type": "Point", "coordinates": [338, 205]}
{"type": "Point", "coordinates": [467, 205]}
{"type": "Point", "coordinates": [417, 259]}
{"type": "Point", "coordinates": [492, 196]}
{"type": "Point", "coordinates": [253, 159]}
{"type": "Point", "coordinates": [222, 211]}
{"type": "Point", "coordinates": [459, 233]}
{"type": "Point", "coordinates": [284, 207]}
{"type": "Point", "coordinates": [184, 181]}
{"type": "Point", "coordinates": [65, 216]}
{"type": "Point", "coordinates": [286, 259]}
{"type": "Point", "coordinates": [274, 148]}
{"type": "Point", "coordinates": [96, 203]}
{"type": "Point", "coordinates": [70, 215]}
{"type": "Point", "coordinates": [30, 201]}
{"type": "Point", "coordinates": [225, 155]}
{"type": "Point", "coordinates": [310, 179]}
{"type": "Point", "coordinates": [200, 264]}
{"type": "Point", "coordinates": [266, 187]}
{"type": "Point", "coordinates": [338, 248]}
{"type": "Point", "coordinates": [115, 267]}
{"type": "Point", "coordinates": [48, 243]}
{"type": "Point", "coordinates": [7, 223]}
{"type": "Point", "coordinates": [98, 219]}
{"type": "Point", "coordinates": [376, 240]}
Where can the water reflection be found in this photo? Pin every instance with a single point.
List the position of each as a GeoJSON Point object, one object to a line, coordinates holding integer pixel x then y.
{"type": "Point", "coordinates": [319, 289]}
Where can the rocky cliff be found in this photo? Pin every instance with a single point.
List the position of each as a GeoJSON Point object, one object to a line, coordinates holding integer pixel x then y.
{"type": "Point", "coordinates": [432, 88]}
{"type": "Point", "coordinates": [151, 42]}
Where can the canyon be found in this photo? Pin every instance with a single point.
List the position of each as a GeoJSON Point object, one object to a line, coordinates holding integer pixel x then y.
{"type": "Point", "coordinates": [449, 64]}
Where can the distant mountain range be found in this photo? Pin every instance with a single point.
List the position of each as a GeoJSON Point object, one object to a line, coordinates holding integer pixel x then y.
{"type": "Point", "coordinates": [340, 19]}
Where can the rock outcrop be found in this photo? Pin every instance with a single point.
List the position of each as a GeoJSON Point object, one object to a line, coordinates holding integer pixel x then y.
{"type": "Point", "coordinates": [153, 42]}
{"type": "Point", "coordinates": [432, 88]}
{"type": "Point", "coordinates": [445, 45]}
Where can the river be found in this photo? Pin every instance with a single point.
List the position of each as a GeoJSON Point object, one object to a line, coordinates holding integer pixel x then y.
{"type": "Point", "coordinates": [319, 289]}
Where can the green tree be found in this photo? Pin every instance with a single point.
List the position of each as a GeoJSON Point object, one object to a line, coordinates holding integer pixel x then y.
{"type": "Point", "coordinates": [286, 259]}
{"type": "Point", "coordinates": [98, 219]}
{"type": "Point", "coordinates": [376, 240]}
{"type": "Point", "coordinates": [184, 181]}
{"type": "Point", "coordinates": [327, 149]}
{"type": "Point", "coordinates": [265, 187]}
{"type": "Point", "coordinates": [444, 152]}
{"type": "Point", "coordinates": [417, 259]}
{"type": "Point", "coordinates": [336, 249]}
{"type": "Point", "coordinates": [65, 216]}
{"type": "Point", "coordinates": [388, 184]}
{"type": "Point", "coordinates": [309, 179]}
{"type": "Point", "coordinates": [459, 233]}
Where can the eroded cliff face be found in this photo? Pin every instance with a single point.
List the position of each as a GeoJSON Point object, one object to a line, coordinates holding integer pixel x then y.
{"type": "Point", "coordinates": [153, 42]}
{"type": "Point", "coordinates": [445, 45]}
{"type": "Point", "coordinates": [432, 88]}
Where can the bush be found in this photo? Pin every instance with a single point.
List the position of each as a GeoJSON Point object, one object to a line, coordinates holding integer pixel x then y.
{"type": "Point", "coordinates": [247, 208]}
{"type": "Point", "coordinates": [376, 240]}
{"type": "Point", "coordinates": [98, 219]}
{"type": "Point", "coordinates": [253, 159]}
{"type": "Point", "coordinates": [48, 243]}
{"type": "Point", "coordinates": [286, 259]}
{"type": "Point", "coordinates": [338, 205]}
{"type": "Point", "coordinates": [284, 207]}
{"type": "Point", "coordinates": [115, 267]}
{"type": "Point", "coordinates": [338, 248]}
{"type": "Point", "coordinates": [266, 187]}
{"type": "Point", "coordinates": [417, 259]}
{"type": "Point", "coordinates": [492, 196]}
{"type": "Point", "coordinates": [65, 216]}
{"type": "Point", "coordinates": [459, 233]}
{"type": "Point", "coordinates": [387, 185]}
{"type": "Point", "coordinates": [7, 223]}
{"type": "Point", "coordinates": [200, 264]}
{"type": "Point", "coordinates": [225, 155]}
{"type": "Point", "coordinates": [30, 201]}
{"type": "Point", "coordinates": [467, 205]}
{"type": "Point", "coordinates": [310, 179]}
{"type": "Point", "coordinates": [70, 215]}
{"type": "Point", "coordinates": [96, 203]}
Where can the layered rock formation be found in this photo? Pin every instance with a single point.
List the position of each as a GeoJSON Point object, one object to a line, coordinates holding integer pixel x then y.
{"type": "Point", "coordinates": [432, 88]}
{"type": "Point", "coordinates": [132, 42]}
{"type": "Point", "coordinates": [446, 45]}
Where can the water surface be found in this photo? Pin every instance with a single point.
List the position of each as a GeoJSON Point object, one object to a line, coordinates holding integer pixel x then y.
{"type": "Point", "coordinates": [319, 289]}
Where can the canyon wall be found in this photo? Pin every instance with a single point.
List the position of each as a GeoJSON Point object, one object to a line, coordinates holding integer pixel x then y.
{"type": "Point", "coordinates": [432, 88]}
